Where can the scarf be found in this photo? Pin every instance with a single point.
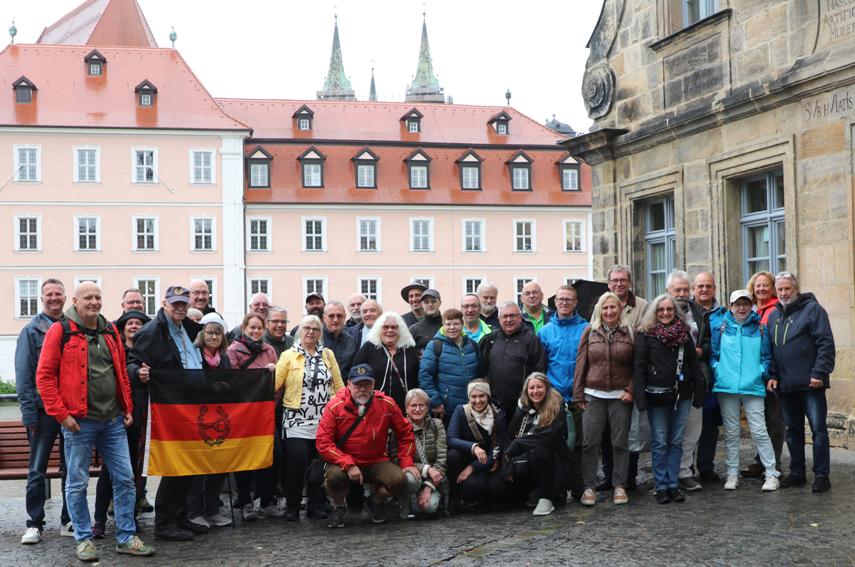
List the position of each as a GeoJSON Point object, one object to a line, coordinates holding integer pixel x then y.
{"type": "Point", "coordinates": [484, 418]}
{"type": "Point", "coordinates": [212, 360]}
{"type": "Point", "coordinates": [251, 345]}
{"type": "Point", "coordinates": [672, 335]}
{"type": "Point", "coordinates": [610, 332]}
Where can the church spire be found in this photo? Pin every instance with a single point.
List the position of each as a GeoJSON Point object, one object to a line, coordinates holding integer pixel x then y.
{"type": "Point", "coordinates": [337, 85]}
{"type": "Point", "coordinates": [425, 86]}
{"type": "Point", "coordinates": [372, 92]}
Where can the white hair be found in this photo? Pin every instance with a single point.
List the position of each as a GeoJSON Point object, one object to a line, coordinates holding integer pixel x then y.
{"type": "Point", "coordinates": [298, 338]}
{"type": "Point", "coordinates": [484, 285]}
{"type": "Point", "coordinates": [677, 275]}
{"type": "Point", "coordinates": [405, 338]}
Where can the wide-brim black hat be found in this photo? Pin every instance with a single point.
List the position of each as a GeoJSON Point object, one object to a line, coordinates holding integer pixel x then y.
{"type": "Point", "coordinates": [405, 292]}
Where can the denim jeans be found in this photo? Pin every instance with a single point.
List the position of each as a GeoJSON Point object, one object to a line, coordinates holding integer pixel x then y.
{"type": "Point", "coordinates": [756, 416]}
{"type": "Point", "coordinates": [795, 407]}
{"type": "Point", "coordinates": [666, 441]}
{"type": "Point", "coordinates": [112, 443]}
{"type": "Point", "coordinates": [41, 444]}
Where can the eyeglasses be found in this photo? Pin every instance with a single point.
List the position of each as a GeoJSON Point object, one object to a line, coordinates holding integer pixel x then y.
{"type": "Point", "coordinates": [565, 300]}
{"type": "Point", "coordinates": [213, 334]}
{"type": "Point", "coordinates": [311, 330]}
{"type": "Point", "coordinates": [619, 281]}
{"type": "Point", "coordinates": [511, 316]}
{"type": "Point", "coordinates": [417, 406]}
{"type": "Point", "coordinates": [335, 315]}
{"type": "Point", "coordinates": [664, 309]}
{"type": "Point", "coordinates": [390, 327]}
{"type": "Point", "coordinates": [278, 321]}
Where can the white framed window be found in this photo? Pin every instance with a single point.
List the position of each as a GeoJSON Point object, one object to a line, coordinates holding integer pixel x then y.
{"type": "Point", "coordinates": [313, 174]}
{"type": "Point", "coordinates": [573, 235]}
{"type": "Point", "coordinates": [258, 235]}
{"type": "Point", "coordinates": [314, 284]}
{"type": "Point", "coordinates": [146, 99]}
{"type": "Point", "coordinates": [368, 234]}
{"type": "Point", "coordinates": [521, 177]}
{"type": "Point", "coordinates": [203, 236]}
{"type": "Point", "coordinates": [87, 233]}
{"type": "Point", "coordinates": [470, 285]}
{"type": "Point", "coordinates": [418, 176]}
{"type": "Point", "coordinates": [27, 292]}
{"type": "Point", "coordinates": [202, 171]}
{"type": "Point", "coordinates": [369, 286]}
{"type": "Point", "coordinates": [502, 128]}
{"type": "Point", "coordinates": [470, 176]}
{"type": "Point", "coordinates": [762, 223]}
{"type": "Point", "coordinates": [697, 10]}
{"type": "Point", "coordinates": [95, 68]}
{"type": "Point", "coordinates": [413, 126]}
{"type": "Point", "coordinates": [366, 174]}
{"type": "Point", "coordinates": [421, 235]}
{"type": "Point", "coordinates": [314, 234]}
{"type": "Point", "coordinates": [144, 165]}
{"type": "Point", "coordinates": [426, 281]}
{"type": "Point", "coordinates": [28, 163]}
{"type": "Point", "coordinates": [87, 164]}
{"type": "Point", "coordinates": [261, 285]}
{"type": "Point", "coordinates": [569, 178]}
{"type": "Point", "coordinates": [660, 243]}
{"type": "Point", "coordinates": [259, 174]}
{"type": "Point", "coordinates": [145, 234]}
{"type": "Point", "coordinates": [474, 235]}
{"type": "Point", "coordinates": [524, 236]}
{"type": "Point", "coordinates": [149, 287]}
{"type": "Point", "coordinates": [28, 233]}
{"type": "Point", "coordinates": [519, 284]}
{"type": "Point", "coordinates": [304, 124]}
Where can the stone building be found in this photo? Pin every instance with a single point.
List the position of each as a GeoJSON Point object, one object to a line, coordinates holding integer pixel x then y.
{"type": "Point", "coordinates": [723, 141]}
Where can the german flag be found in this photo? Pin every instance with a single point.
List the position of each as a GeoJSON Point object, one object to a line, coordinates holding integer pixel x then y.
{"type": "Point", "coordinates": [209, 422]}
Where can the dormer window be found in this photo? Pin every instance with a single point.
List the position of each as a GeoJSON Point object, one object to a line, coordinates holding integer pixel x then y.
{"type": "Point", "coordinates": [146, 93]}
{"type": "Point", "coordinates": [418, 164]}
{"type": "Point", "coordinates": [470, 171]}
{"type": "Point", "coordinates": [569, 169]}
{"type": "Point", "coordinates": [413, 121]}
{"type": "Point", "coordinates": [366, 169]}
{"type": "Point", "coordinates": [500, 123]}
{"type": "Point", "coordinates": [95, 63]}
{"type": "Point", "coordinates": [312, 163]}
{"type": "Point", "coordinates": [258, 164]}
{"type": "Point", "coordinates": [303, 118]}
{"type": "Point", "coordinates": [24, 89]}
{"type": "Point", "coordinates": [519, 167]}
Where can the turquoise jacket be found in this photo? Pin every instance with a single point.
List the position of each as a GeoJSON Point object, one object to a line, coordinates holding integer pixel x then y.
{"type": "Point", "coordinates": [741, 355]}
{"type": "Point", "coordinates": [560, 338]}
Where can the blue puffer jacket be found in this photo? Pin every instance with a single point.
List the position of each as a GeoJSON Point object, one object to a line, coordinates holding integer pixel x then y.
{"type": "Point", "coordinates": [446, 382]}
{"type": "Point", "coordinates": [741, 356]}
{"type": "Point", "coordinates": [560, 338]}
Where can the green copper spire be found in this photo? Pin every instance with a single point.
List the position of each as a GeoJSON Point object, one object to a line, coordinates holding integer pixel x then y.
{"type": "Point", "coordinates": [372, 92]}
{"type": "Point", "coordinates": [337, 85]}
{"type": "Point", "coordinates": [425, 86]}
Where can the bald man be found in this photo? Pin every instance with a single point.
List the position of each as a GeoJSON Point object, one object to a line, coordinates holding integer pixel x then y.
{"type": "Point", "coordinates": [534, 312]}
{"type": "Point", "coordinates": [200, 296]}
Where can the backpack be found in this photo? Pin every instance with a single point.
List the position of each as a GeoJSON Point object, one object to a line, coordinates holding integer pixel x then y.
{"type": "Point", "coordinates": [67, 333]}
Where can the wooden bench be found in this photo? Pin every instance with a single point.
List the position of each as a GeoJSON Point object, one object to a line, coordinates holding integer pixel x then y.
{"type": "Point", "coordinates": [15, 455]}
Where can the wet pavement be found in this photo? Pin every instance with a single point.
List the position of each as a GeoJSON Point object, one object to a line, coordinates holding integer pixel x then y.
{"type": "Point", "coordinates": [713, 527]}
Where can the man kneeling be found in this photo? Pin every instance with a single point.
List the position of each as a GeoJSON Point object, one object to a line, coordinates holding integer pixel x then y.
{"type": "Point", "coordinates": [352, 439]}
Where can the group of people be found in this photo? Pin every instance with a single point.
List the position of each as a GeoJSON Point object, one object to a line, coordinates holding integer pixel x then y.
{"type": "Point", "coordinates": [445, 411]}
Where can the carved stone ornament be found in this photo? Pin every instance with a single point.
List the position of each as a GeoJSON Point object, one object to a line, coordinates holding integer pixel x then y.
{"type": "Point", "coordinates": [598, 90]}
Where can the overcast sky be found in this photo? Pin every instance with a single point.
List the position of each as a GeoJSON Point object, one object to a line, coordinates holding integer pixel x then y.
{"type": "Point", "coordinates": [281, 48]}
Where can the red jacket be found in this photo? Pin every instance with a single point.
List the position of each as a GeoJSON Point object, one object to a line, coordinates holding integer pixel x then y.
{"type": "Point", "coordinates": [367, 444]}
{"type": "Point", "coordinates": [61, 377]}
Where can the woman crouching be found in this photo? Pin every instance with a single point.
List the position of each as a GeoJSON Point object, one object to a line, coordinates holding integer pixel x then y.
{"type": "Point", "coordinates": [430, 457]}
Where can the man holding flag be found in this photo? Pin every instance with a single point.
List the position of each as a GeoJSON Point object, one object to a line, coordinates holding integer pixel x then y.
{"type": "Point", "coordinates": [166, 343]}
{"type": "Point", "coordinates": [84, 385]}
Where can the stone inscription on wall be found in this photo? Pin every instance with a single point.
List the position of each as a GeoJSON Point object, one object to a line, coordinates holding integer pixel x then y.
{"type": "Point", "coordinates": [693, 71]}
{"type": "Point", "coordinates": [829, 105]}
{"type": "Point", "coordinates": [836, 21]}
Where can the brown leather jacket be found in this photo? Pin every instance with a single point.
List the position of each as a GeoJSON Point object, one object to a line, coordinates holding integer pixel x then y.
{"type": "Point", "coordinates": [601, 365]}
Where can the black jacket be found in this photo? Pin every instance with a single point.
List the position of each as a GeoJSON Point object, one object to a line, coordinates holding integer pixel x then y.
{"type": "Point", "coordinates": [802, 344]}
{"type": "Point", "coordinates": [543, 444]}
{"type": "Point", "coordinates": [656, 364]}
{"type": "Point", "coordinates": [492, 320]}
{"type": "Point", "coordinates": [386, 379]}
{"type": "Point", "coordinates": [355, 333]}
{"type": "Point", "coordinates": [506, 361]}
{"type": "Point", "coordinates": [410, 319]}
{"type": "Point", "coordinates": [425, 330]}
{"type": "Point", "coordinates": [279, 346]}
{"type": "Point", "coordinates": [154, 346]}
{"type": "Point", "coordinates": [343, 347]}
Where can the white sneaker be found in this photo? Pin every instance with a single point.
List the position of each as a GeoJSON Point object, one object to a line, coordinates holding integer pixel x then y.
{"type": "Point", "coordinates": [731, 482]}
{"type": "Point", "coordinates": [772, 484]}
{"type": "Point", "coordinates": [219, 520]}
{"type": "Point", "coordinates": [200, 521]}
{"type": "Point", "coordinates": [67, 530]}
{"type": "Point", "coordinates": [31, 536]}
{"type": "Point", "coordinates": [544, 507]}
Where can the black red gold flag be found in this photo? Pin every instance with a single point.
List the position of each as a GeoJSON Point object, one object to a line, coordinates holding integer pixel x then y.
{"type": "Point", "coordinates": [209, 422]}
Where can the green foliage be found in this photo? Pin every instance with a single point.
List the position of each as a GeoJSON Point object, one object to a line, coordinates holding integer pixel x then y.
{"type": "Point", "coordinates": [6, 387]}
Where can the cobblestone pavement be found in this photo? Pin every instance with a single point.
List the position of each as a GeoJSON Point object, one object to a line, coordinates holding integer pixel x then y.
{"type": "Point", "coordinates": [713, 527]}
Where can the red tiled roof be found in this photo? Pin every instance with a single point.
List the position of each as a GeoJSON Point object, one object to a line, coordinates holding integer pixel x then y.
{"type": "Point", "coordinates": [393, 182]}
{"type": "Point", "coordinates": [381, 121]}
{"type": "Point", "coordinates": [101, 22]}
{"type": "Point", "coordinates": [68, 96]}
